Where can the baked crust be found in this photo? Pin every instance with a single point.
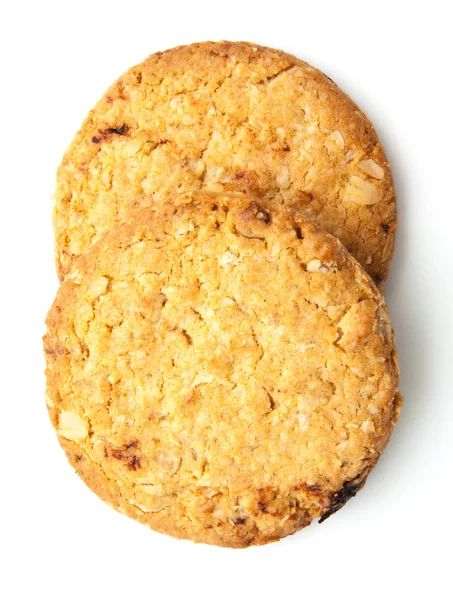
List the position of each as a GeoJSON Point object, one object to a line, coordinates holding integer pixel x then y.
{"type": "Point", "coordinates": [221, 370]}
{"type": "Point", "coordinates": [227, 117]}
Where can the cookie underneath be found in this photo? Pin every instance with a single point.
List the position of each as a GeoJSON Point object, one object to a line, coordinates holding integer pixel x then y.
{"type": "Point", "coordinates": [228, 117]}
{"type": "Point", "coordinates": [221, 370]}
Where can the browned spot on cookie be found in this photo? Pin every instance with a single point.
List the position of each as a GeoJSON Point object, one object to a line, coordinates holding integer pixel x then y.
{"type": "Point", "coordinates": [339, 499]}
{"type": "Point", "coordinates": [78, 457]}
{"type": "Point", "coordinates": [109, 132]}
{"type": "Point", "coordinates": [298, 231]}
{"type": "Point", "coordinates": [134, 463]}
{"type": "Point", "coordinates": [262, 507]}
{"type": "Point", "coordinates": [255, 211]}
{"type": "Point", "coordinates": [126, 453]}
{"type": "Point", "coordinates": [239, 521]}
{"type": "Point", "coordinates": [84, 349]}
{"type": "Point", "coordinates": [56, 350]}
{"type": "Point", "coordinates": [120, 89]}
{"type": "Point", "coordinates": [187, 337]}
{"type": "Point", "coordinates": [313, 489]}
{"type": "Point", "coordinates": [390, 226]}
{"type": "Point", "coordinates": [224, 49]}
{"type": "Point", "coordinates": [268, 501]}
{"type": "Point", "coordinates": [304, 197]}
{"type": "Point", "coordinates": [118, 130]}
{"type": "Point", "coordinates": [246, 181]}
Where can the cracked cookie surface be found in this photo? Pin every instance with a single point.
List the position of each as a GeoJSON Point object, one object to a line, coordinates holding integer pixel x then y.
{"type": "Point", "coordinates": [227, 117]}
{"type": "Point", "coordinates": [221, 370]}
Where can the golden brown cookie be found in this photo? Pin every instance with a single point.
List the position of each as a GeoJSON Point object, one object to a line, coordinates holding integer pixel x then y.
{"type": "Point", "coordinates": [228, 117]}
{"type": "Point", "coordinates": [221, 370]}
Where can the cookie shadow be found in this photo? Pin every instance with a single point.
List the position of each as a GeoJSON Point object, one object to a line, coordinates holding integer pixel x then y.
{"type": "Point", "coordinates": [404, 293]}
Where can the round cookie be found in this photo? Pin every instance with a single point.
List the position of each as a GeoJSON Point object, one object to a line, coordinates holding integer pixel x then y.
{"type": "Point", "coordinates": [221, 370]}
{"type": "Point", "coordinates": [227, 117]}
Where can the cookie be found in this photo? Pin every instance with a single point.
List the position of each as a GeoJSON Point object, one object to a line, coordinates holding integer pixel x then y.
{"type": "Point", "coordinates": [221, 370]}
{"type": "Point", "coordinates": [227, 117]}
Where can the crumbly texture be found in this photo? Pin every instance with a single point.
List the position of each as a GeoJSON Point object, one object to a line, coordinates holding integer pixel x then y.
{"type": "Point", "coordinates": [221, 370]}
{"type": "Point", "coordinates": [227, 117]}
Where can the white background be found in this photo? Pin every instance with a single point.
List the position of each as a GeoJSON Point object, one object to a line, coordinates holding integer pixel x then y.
{"type": "Point", "coordinates": [394, 539]}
